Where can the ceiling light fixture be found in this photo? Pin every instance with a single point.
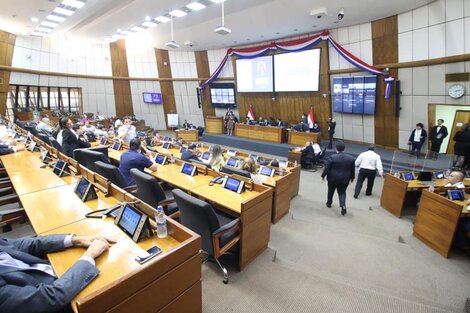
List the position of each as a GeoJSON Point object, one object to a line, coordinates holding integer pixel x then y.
{"type": "Point", "coordinates": [195, 6]}
{"type": "Point", "coordinates": [172, 43]}
{"type": "Point", "coordinates": [49, 24]}
{"type": "Point", "coordinates": [73, 3]}
{"type": "Point", "coordinates": [43, 29]}
{"type": "Point", "coordinates": [162, 19]}
{"type": "Point", "coordinates": [137, 28]}
{"type": "Point", "coordinates": [222, 30]}
{"type": "Point", "coordinates": [148, 18]}
{"type": "Point", "coordinates": [218, 1]}
{"type": "Point", "coordinates": [149, 24]}
{"type": "Point", "coordinates": [34, 19]}
{"type": "Point", "coordinates": [109, 39]}
{"type": "Point", "coordinates": [39, 34]}
{"type": "Point", "coordinates": [126, 32]}
{"type": "Point", "coordinates": [63, 11]}
{"type": "Point", "coordinates": [55, 18]}
{"type": "Point", "coordinates": [178, 13]}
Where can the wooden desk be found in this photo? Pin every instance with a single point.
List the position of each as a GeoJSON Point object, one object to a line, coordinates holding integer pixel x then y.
{"type": "Point", "coordinates": [300, 138]}
{"type": "Point", "coordinates": [35, 179]}
{"type": "Point", "coordinates": [282, 193]}
{"type": "Point", "coordinates": [264, 133]}
{"type": "Point", "coordinates": [22, 160]}
{"type": "Point", "coordinates": [170, 282]}
{"type": "Point", "coordinates": [254, 210]}
{"type": "Point", "coordinates": [214, 125]}
{"type": "Point", "coordinates": [437, 221]}
{"type": "Point", "coordinates": [189, 135]}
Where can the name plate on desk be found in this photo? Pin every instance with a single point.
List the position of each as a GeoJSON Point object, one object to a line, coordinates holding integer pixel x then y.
{"type": "Point", "coordinates": [160, 159]}
{"type": "Point", "coordinates": [188, 169]}
{"type": "Point", "coordinates": [117, 146]}
{"type": "Point", "coordinates": [60, 169]}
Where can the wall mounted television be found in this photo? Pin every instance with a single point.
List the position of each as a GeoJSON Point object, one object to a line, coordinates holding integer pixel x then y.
{"type": "Point", "coordinates": [223, 95]}
{"type": "Point", "coordinates": [297, 71]}
{"type": "Point", "coordinates": [355, 95]}
{"type": "Point", "coordinates": [152, 97]}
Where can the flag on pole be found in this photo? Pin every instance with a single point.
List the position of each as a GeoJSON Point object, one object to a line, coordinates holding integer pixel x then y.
{"type": "Point", "coordinates": [310, 118]}
{"type": "Point", "coordinates": [251, 114]}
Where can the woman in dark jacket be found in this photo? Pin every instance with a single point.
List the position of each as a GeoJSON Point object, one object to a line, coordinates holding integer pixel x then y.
{"type": "Point", "coordinates": [70, 140]}
{"type": "Point", "coordinates": [462, 146]}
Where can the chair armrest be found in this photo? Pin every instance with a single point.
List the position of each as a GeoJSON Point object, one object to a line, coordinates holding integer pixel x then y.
{"type": "Point", "coordinates": [131, 189]}
{"type": "Point", "coordinates": [227, 227]}
{"type": "Point", "coordinates": [232, 226]}
{"type": "Point", "coordinates": [166, 201]}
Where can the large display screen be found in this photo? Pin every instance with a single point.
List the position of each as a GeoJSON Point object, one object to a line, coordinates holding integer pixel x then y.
{"type": "Point", "coordinates": [255, 75]}
{"type": "Point", "coordinates": [297, 71]}
{"type": "Point", "coordinates": [223, 95]}
{"type": "Point", "coordinates": [354, 94]}
{"type": "Point", "coordinates": [152, 97]}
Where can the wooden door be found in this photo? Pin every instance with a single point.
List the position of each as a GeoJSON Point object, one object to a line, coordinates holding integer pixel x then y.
{"type": "Point", "coordinates": [461, 117]}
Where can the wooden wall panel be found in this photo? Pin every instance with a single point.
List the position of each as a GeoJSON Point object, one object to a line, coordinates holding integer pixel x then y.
{"type": "Point", "coordinates": [289, 106]}
{"type": "Point", "coordinates": [385, 50]}
{"type": "Point", "coordinates": [203, 71]}
{"type": "Point", "coordinates": [7, 45]}
{"type": "Point", "coordinates": [122, 88]}
{"type": "Point", "coordinates": [168, 93]}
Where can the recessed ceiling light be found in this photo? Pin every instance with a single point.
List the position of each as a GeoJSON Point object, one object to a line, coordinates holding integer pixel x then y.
{"type": "Point", "coordinates": [149, 24]}
{"type": "Point", "coordinates": [217, 1]}
{"type": "Point", "coordinates": [278, 33]}
{"type": "Point", "coordinates": [148, 18]}
{"type": "Point", "coordinates": [34, 19]}
{"type": "Point", "coordinates": [295, 29]}
{"type": "Point", "coordinates": [162, 19]}
{"type": "Point", "coordinates": [35, 33]}
{"type": "Point", "coordinates": [136, 28]}
{"type": "Point", "coordinates": [178, 13]}
{"type": "Point", "coordinates": [195, 6]}
{"type": "Point", "coordinates": [63, 11]}
{"type": "Point", "coordinates": [126, 32]}
{"type": "Point", "coordinates": [55, 18]}
{"type": "Point", "coordinates": [117, 36]}
{"type": "Point", "coordinates": [43, 29]}
{"type": "Point", "coordinates": [49, 24]}
{"type": "Point", "coordinates": [119, 30]}
{"type": "Point", "coordinates": [73, 3]}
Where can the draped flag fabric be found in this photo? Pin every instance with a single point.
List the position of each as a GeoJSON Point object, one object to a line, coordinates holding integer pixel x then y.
{"type": "Point", "coordinates": [310, 118]}
{"type": "Point", "coordinates": [250, 113]}
{"type": "Point", "coordinates": [300, 45]}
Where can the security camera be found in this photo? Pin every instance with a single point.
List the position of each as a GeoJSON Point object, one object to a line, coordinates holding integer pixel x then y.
{"type": "Point", "coordinates": [189, 43]}
{"type": "Point", "coordinates": [340, 14]}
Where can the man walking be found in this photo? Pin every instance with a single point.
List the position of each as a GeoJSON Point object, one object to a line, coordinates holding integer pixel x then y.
{"type": "Point", "coordinates": [339, 170]}
{"type": "Point", "coordinates": [369, 164]}
{"type": "Point", "coordinates": [437, 135]}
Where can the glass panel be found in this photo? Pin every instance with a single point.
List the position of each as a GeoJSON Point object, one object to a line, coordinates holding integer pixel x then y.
{"type": "Point", "coordinates": [11, 102]}
{"type": "Point", "coordinates": [75, 99]}
{"type": "Point", "coordinates": [22, 98]}
{"type": "Point", "coordinates": [44, 103]}
{"type": "Point", "coordinates": [402, 162]}
{"type": "Point", "coordinates": [54, 98]}
{"type": "Point", "coordinates": [65, 98]}
{"type": "Point", "coordinates": [33, 98]}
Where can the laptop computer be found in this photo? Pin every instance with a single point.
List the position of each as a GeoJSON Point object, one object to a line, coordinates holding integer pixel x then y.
{"type": "Point", "coordinates": [425, 177]}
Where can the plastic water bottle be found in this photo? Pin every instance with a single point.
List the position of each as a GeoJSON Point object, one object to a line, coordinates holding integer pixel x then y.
{"type": "Point", "coordinates": [282, 171]}
{"type": "Point", "coordinates": [431, 188]}
{"type": "Point", "coordinates": [447, 173]}
{"type": "Point", "coordinates": [162, 231]}
{"type": "Point", "coordinates": [295, 163]}
{"type": "Point", "coordinates": [172, 159]}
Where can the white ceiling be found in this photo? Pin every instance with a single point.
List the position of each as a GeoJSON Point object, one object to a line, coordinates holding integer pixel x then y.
{"type": "Point", "coordinates": [251, 21]}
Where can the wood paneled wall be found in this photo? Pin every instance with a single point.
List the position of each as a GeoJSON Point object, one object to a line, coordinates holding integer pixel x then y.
{"type": "Point", "coordinates": [168, 93]}
{"type": "Point", "coordinates": [203, 71]}
{"type": "Point", "coordinates": [385, 50]}
{"type": "Point", "coordinates": [7, 45]}
{"type": "Point", "coordinates": [289, 106]}
{"type": "Point", "coordinates": [122, 88]}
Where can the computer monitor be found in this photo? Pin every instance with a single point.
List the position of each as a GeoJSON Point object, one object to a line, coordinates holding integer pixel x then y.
{"type": "Point", "coordinates": [282, 163]}
{"type": "Point", "coordinates": [254, 156]}
{"type": "Point", "coordinates": [425, 176]}
{"type": "Point", "coordinates": [456, 194]}
{"type": "Point", "coordinates": [439, 175]}
{"type": "Point", "coordinates": [133, 222]}
{"type": "Point", "coordinates": [267, 171]}
{"type": "Point", "coordinates": [59, 168]}
{"type": "Point", "coordinates": [117, 146]}
{"type": "Point", "coordinates": [85, 190]}
{"type": "Point", "coordinates": [232, 162]}
{"type": "Point", "coordinates": [407, 176]}
{"type": "Point", "coordinates": [103, 141]}
{"type": "Point", "coordinates": [206, 155]}
{"type": "Point", "coordinates": [183, 149]}
{"type": "Point", "coordinates": [166, 139]}
{"type": "Point", "coordinates": [166, 145]}
{"type": "Point", "coordinates": [231, 153]}
{"type": "Point", "coordinates": [233, 184]}
{"type": "Point", "coordinates": [160, 159]}
{"type": "Point", "coordinates": [188, 169]}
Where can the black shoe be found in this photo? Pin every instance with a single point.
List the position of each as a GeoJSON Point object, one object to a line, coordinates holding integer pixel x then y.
{"type": "Point", "coordinates": [355, 196]}
{"type": "Point", "coordinates": [328, 205]}
{"type": "Point", "coordinates": [368, 194]}
{"type": "Point", "coordinates": [343, 210]}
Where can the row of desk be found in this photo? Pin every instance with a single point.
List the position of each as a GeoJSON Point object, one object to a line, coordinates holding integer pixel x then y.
{"type": "Point", "coordinates": [123, 284]}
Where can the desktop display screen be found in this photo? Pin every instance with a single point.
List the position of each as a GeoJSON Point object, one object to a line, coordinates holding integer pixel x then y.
{"type": "Point", "coordinates": [103, 141]}
{"type": "Point", "coordinates": [166, 145]}
{"type": "Point", "coordinates": [206, 156]}
{"type": "Point", "coordinates": [439, 175]}
{"type": "Point", "coordinates": [282, 163]}
{"type": "Point", "coordinates": [408, 176]}
{"type": "Point", "coordinates": [59, 168]}
{"type": "Point", "coordinates": [456, 195]}
{"type": "Point", "coordinates": [166, 139]}
{"type": "Point", "coordinates": [152, 97]}
{"type": "Point", "coordinates": [188, 169]}
{"type": "Point", "coordinates": [425, 176]}
{"type": "Point", "coordinates": [129, 221]}
{"type": "Point", "coordinates": [82, 187]}
{"type": "Point", "coordinates": [254, 157]}
{"type": "Point", "coordinates": [297, 71]}
{"type": "Point", "coordinates": [116, 146]}
{"type": "Point", "coordinates": [267, 171]}
{"type": "Point", "coordinates": [160, 159]}
{"type": "Point", "coordinates": [233, 184]}
{"type": "Point", "coordinates": [255, 75]}
{"type": "Point", "coordinates": [232, 162]}
{"type": "Point", "coordinates": [232, 152]}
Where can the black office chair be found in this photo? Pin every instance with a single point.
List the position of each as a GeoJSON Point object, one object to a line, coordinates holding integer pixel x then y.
{"type": "Point", "coordinates": [91, 157]}
{"type": "Point", "coordinates": [113, 174]}
{"type": "Point", "coordinates": [233, 170]}
{"type": "Point", "coordinates": [45, 138]}
{"type": "Point", "coordinates": [151, 192]}
{"type": "Point", "coordinates": [218, 232]}
{"type": "Point", "coordinates": [32, 130]}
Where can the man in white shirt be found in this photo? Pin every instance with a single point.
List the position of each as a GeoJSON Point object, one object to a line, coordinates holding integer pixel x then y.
{"type": "Point", "coordinates": [44, 126]}
{"type": "Point", "coordinates": [370, 165]}
{"type": "Point", "coordinates": [127, 131]}
{"type": "Point", "coordinates": [455, 180]}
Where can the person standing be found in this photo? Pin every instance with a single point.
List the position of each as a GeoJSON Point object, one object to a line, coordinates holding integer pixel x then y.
{"type": "Point", "coordinates": [331, 131]}
{"type": "Point", "coordinates": [339, 170]}
{"type": "Point", "coordinates": [437, 135]}
{"type": "Point", "coordinates": [462, 146]}
{"type": "Point", "coordinates": [417, 138]}
{"type": "Point", "coordinates": [127, 132]}
{"type": "Point", "coordinates": [370, 165]}
{"type": "Point", "coordinates": [230, 125]}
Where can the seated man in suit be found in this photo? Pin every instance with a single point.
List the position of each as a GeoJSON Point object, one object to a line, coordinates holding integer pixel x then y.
{"type": "Point", "coordinates": [310, 154]}
{"type": "Point", "coordinates": [190, 154]}
{"type": "Point", "coordinates": [179, 142]}
{"type": "Point", "coordinates": [316, 128]}
{"type": "Point", "coordinates": [44, 126]}
{"type": "Point", "coordinates": [28, 282]}
{"type": "Point", "coordinates": [10, 146]}
{"type": "Point", "coordinates": [133, 158]}
{"type": "Point", "coordinates": [186, 125]}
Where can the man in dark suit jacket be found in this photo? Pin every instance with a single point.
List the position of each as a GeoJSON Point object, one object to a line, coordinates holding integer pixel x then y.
{"type": "Point", "coordinates": [190, 154]}
{"type": "Point", "coordinates": [339, 170]}
{"type": "Point", "coordinates": [27, 281]}
{"type": "Point", "coordinates": [331, 131]}
{"type": "Point", "coordinates": [417, 139]}
{"type": "Point", "coordinates": [437, 135]}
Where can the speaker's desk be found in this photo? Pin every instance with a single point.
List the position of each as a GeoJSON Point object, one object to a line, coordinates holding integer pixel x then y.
{"type": "Point", "coordinates": [300, 138]}
{"type": "Point", "coordinates": [189, 135]}
{"type": "Point", "coordinates": [214, 125]}
{"type": "Point", "coordinates": [264, 133]}
{"type": "Point", "coordinates": [437, 220]}
{"type": "Point", "coordinates": [398, 193]}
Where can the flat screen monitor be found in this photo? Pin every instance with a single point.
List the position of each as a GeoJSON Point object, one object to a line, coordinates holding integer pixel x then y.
{"type": "Point", "coordinates": [297, 71]}
{"type": "Point", "coordinates": [232, 152]}
{"type": "Point", "coordinates": [223, 95]}
{"type": "Point", "coordinates": [456, 195]}
{"type": "Point", "coordinates": [166, 139]}
{"type": "Point", "coordinates": [132, 222]}
{"type": "Point", "coordinates": [103, 141]}
{"type": "Point", "coordinates": [188, 169]}
{"type": "Point", "coordinates": [117, 146]}
{"type": "Point", "coordinates": [233, 184]}
{"type": "Point", "coordinates": [254, 157]}
{"type": "Point", "coordinates": [152, 97]}
{"type": "Point", "coordinates": [283, 163]}
{"type": "Point", "coordinates": [232, 162]}
{"type": "Point", "coordinates": [407, 176]}
{"type": "Point", "coordinates": [206, 155]}
{"type": "Point", "coordinates": [355, 94]}
{"type": "Point", "coordinates": [267, 171]}
{"type": "Point", "coordinates": [255, 75]}
{"type": "Point", "coordinates": [160, 159]}
{"type": "Point", "coordinates": [439, 175]}
{"type": "Point", "coordinates": [166, 145]}
{"type": "Point", "coordinates": [84, 190]}
{"type": "Point", "coordinates": [425, 176]}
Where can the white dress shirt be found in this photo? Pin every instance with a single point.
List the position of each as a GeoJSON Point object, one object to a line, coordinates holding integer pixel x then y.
{"type": "Point", "coordinates": [417, 137]}
{"type": "Point", "coordinates": [370, 160]}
